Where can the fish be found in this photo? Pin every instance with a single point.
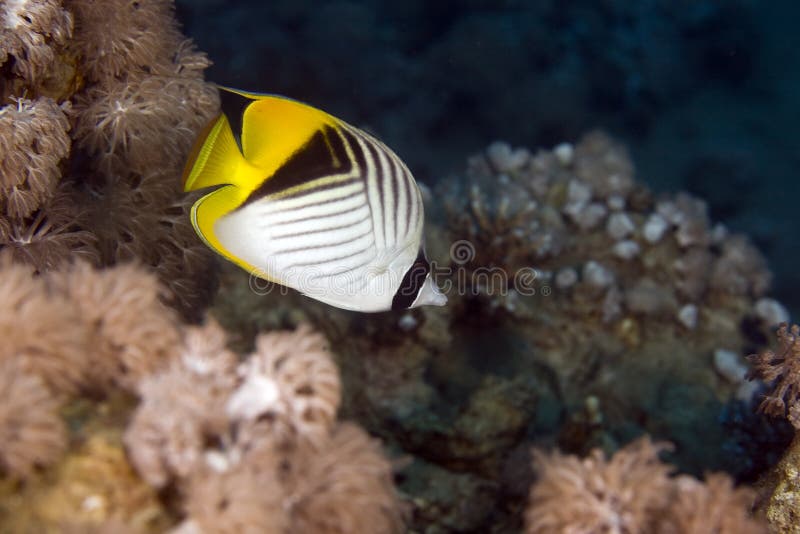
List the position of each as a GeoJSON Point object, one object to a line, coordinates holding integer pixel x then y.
{"type": "Point", "coordinates": [310, 202]}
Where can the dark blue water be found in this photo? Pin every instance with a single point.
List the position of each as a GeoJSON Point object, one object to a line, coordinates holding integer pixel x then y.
{"type": "Point", "coordinates": [704, 92]}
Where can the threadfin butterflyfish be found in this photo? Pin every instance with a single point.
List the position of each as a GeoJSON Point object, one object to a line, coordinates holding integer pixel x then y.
{"type": "Point", "coordinates": [312, 203]}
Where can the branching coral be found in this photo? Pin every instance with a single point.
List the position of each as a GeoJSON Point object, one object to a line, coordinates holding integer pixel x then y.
{"type": "Point", "coordinates": [782, 368]}
{"type": "Point", "coordinates": [503, 224]}
{"type": "Point", "coordinates": [31, 431]}
{"type": "Point", "coordinates": [604, 165]}
{"type": "Point", "coordinates": [571, 230]}
{"type": "Point", "coordinates": [632, 492]}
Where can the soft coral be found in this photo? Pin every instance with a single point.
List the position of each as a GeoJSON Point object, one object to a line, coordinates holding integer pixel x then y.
{"type": "Point", "coordinates": [781, 367]}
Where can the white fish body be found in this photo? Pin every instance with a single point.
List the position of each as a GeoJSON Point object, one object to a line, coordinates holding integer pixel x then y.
{"type": "Point", "coordinates": [339, 217]}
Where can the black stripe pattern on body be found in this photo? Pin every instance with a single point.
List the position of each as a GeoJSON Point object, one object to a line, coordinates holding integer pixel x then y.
{"type": "Point", "coordinates": [337, 203]}
{"type": "Point", "coordinates": [397, 211]}
{"type": "Point", "coordinates": [323, 155]}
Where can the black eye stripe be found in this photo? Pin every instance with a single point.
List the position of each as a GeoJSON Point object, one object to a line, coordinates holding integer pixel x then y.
{"type": "Point", "coordinates": [412, 282]}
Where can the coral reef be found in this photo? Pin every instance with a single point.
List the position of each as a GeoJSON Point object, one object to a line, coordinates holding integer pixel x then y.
{"type": "Point", "coordinates": [262, 436]}
{"type": "Point", "coordinates": [131, 332]}
{"type": "Point", "coordinates": [782, 489]}
{"type": "Point", "coordinates": [34, 38]}
{"type": "Point", "coordinates": [576, 219]}
{"type": "Point", "coordinates": [41, 330]}
{"type": "Point", "coordinates": [35, 141]}
{"type": "Point", "coordinates": [781, 367]}
{"type": "Point", "coordinates": [101, 102]}
{"type": "Point", "coordinates": [585, 310]}
{"type": "Point", "coordinates": [246, 446]}
{"type": "Point", "coordinates": [71, 331]}
{"type": "Point", "coordinates": [633, 492]}
{"type": "Point", "coordinates": [31, 432]}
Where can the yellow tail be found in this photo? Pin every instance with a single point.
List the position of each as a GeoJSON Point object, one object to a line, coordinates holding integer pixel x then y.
{"type": "Point", "coordinates": [216, 159]}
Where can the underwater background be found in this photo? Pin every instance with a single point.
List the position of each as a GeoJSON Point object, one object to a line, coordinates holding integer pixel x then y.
{"type": "Point", "coordinates": [609, 190]}
{"type": "Point", "coordinates": [703, 93]}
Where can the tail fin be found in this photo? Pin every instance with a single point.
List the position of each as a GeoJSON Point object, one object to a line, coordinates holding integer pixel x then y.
{"type": "Point", "coordinates": [215, 158]}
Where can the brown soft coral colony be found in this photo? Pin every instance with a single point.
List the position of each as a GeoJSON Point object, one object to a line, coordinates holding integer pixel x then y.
{"type": "Point", "coordinates": [33, 33]}
{"type": "Point", "coordinates": [346, 487]}
{"type": "Point", "coordinates": [69, 331]}
{"type": "Point", "coordinates": [251, 446]}
{"type": "Point", "coordinates": [596, 494]}
{"type": "Point", "coordinates": [31, 432]}
{"type": "Point", "coordinates": [137, 34]}
{"type": "Point", "coordinates": [633, 492]}
{"type": "Point", "coordinates": [182, 408]}
{"type": "Point", "coordinates": [782, 368]}
{"type": "Point", "coordinates": [34, 140]}
{"type": "Point", "coordinates": [102, 101]}
{"type": "Point", "coordinates": [713, 506]}
{"type": "Point", "coordinates": [291, 378]}
{"type": "Point", "coordinates": [234, 501]}
{"type": "Point", "coordinates": [41, 330]}
{"type": "Point", "coordinates": [132, 333]}
{"type": "Point", "coordinates": [258, 448]}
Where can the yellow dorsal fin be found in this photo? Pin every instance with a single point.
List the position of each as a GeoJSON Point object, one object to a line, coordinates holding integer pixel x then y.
{"type": "Point", "coordinates": [275, 127]}
{"type": "Point", "coordinates": [216, 160]}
